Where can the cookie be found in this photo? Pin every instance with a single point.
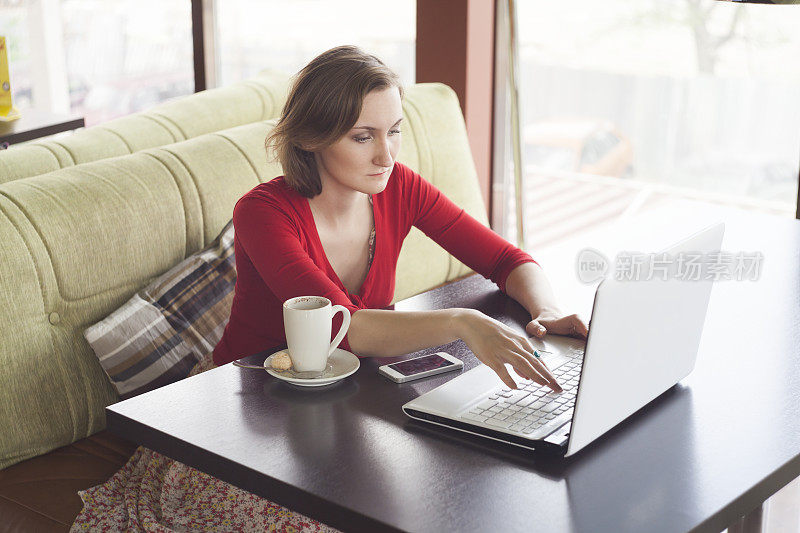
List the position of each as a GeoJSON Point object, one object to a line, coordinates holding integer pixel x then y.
{"type": "Point", "coordinates": [281, 361]}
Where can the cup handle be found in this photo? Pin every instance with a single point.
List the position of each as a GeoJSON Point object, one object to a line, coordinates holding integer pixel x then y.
{"type": "Point", "coordinates": [342, 330]}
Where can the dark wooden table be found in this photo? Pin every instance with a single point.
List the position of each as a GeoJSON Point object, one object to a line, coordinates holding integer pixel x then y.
{"type": "Point", "coordinates": [34, 124]}
{"type": "Point", "coordinates": [700, 456]}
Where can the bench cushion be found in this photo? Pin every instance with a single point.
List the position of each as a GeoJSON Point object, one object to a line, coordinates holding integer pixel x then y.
{"type": "Point", "coordinates": [170, 325]}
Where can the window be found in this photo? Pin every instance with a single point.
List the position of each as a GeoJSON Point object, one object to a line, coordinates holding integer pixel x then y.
{"type": "Point", "coordinates": [672, 98]}
{"type": "Point", "coordinates": [253, 35]}
{"type": "Point", "coordinates": [95, 58]}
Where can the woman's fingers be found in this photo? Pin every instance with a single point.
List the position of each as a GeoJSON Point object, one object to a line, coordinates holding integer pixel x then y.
{"type": "Point", "coordinates": [575, 327]}
{"type": "Point", "coordinates": [581, 328]}
{"type": "Point", "coordinates": [496, 345]}
{"type": "Point", "coordinates": [500, 369]}
{"type": "Point", "coordinates": [531, 356]}
{"type": "Point", "coordinates": [534, 369]}
{"type": "Point", "coordinates": [526, 370]}
{"type": "Point", "coordinates": [570, 325]}
{"type": "Point", "coordinates": [520, 374]}
{"type": "Point", "coordinates": [535, 329]}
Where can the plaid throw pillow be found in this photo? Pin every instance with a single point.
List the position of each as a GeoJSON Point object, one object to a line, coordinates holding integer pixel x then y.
{"type": "Point", "coordinates": [167, 327]}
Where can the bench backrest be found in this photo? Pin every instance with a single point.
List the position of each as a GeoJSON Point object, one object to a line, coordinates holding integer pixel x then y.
{"type": "Point", "coordinates": [77, 243]}
{"type": "Point", "coordinates": [259, 98]}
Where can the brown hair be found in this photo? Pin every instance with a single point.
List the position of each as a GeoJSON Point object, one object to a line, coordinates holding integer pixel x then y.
{"type": "Point", "coordinates": [324, 103]}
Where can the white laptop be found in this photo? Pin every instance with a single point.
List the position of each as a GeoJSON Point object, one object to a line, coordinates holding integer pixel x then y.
{"type": "Point", "coordinates": [643, 339]}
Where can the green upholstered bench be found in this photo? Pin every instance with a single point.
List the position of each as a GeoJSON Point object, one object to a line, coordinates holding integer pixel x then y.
{"type": "Point", "coordinates": [78, 242]}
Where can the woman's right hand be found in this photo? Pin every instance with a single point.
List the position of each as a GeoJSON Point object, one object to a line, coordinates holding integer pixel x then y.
{"type": "Point", "coordinates": [495, 345]}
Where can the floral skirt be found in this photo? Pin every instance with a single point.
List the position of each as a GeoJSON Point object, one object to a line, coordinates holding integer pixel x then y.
{"type": "Point", "coordinates": [155, 493]}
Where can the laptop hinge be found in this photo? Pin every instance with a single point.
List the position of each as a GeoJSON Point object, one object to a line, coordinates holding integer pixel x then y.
{"type": "Point", "coordinates": [560, 437]}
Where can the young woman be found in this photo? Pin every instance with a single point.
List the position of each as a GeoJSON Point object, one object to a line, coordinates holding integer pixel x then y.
{"type": "Point", "coordinates": [333, 226]}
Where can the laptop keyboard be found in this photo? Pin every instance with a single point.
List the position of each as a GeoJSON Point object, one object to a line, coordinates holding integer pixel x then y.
{"type": "Point", "coordinates": [526, 409]}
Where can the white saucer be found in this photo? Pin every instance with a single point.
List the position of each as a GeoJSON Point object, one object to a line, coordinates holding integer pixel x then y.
{"type": "Point", "coordinates": [341, 364]}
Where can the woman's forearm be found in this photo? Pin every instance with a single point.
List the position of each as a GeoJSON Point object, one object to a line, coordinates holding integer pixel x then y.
{"type": "Point", "coordinates": [529, 286]}
{"type": "Point", "coordinates": [379, 333]}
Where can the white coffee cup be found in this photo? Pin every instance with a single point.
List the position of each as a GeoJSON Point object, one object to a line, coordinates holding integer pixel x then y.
{"type": "Point", "coordinates": [307, 321]}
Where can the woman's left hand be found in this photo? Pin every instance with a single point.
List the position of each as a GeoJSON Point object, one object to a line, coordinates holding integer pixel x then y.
{"type": "Point", "coordinates": [554, 321]}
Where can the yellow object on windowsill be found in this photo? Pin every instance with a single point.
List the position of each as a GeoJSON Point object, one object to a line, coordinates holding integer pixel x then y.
{"type": "Point", "coordinates": [7, 110]}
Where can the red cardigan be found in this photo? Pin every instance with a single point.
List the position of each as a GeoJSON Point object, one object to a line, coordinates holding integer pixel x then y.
{"type": "Point", "coordinates": [279, 255]}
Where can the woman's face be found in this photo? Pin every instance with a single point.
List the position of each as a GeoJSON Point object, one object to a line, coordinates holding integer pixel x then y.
{"type": "Point", "coordinates": [363, 158]}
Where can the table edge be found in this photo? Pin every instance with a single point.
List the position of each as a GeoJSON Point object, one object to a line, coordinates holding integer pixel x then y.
{"type": "Point", "coordinates": [242, 476]}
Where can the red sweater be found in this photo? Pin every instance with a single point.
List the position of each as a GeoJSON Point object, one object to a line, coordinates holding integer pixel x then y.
{"type": "Point", "coordinates": [279, 255]}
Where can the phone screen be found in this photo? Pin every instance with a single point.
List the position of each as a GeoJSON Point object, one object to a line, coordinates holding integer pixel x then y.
{"type": "Point", "coordinates": [421, 364]}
